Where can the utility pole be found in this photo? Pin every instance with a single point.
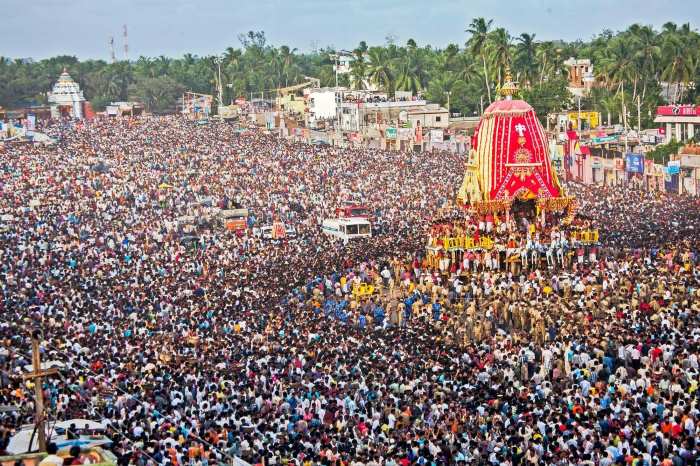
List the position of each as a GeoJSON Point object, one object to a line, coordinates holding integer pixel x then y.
{"type": "Point", "coordinates": [219, 88]}
{"type": "Point", "coordinates": [37, 376]}
{"type": "Point", "coordinates": [448, 104]}
{"type": "Point", "coordinates": [578, 121]}
{"type": "Point", "coordinates": [126, 44]}
{"type": "Point", "coordinates": [111, 49]}
{"type": "Point", "coordinates": [482, 105]}
{"type": "Point", "coordinates": [639, 117]}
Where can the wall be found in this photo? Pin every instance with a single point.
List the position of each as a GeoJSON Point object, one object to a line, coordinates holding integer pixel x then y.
{"type": "Point", "coordinates": [429, 120]}
{"type": "Point", "coordinates": [322, 105]}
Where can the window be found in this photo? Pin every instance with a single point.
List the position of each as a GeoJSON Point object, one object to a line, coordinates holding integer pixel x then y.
{"type": "Point", "coordinates": [352, 229]}
{"type": "Point", "coordinates": [438, 119]}
{"type": "Point", "coordinates": [364, 229]}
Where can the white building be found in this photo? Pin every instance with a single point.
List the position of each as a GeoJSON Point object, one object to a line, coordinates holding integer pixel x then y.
{"type": "Point", "coordinates": [429, 116]}
{"type": "Point", "coordinates": [342, 61]}
{"type": "Point", "coordinates": [66, 98]}
{"type": "Point", "coordinates": [360, 109]}
{"type": "Point", "coordinates": [323, 104]}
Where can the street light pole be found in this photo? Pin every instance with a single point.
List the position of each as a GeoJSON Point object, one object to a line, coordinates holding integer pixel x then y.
{"type": "Point", "coordinates": [220, 89]}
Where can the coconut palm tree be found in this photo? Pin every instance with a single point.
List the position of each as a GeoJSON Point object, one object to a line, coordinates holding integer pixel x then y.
{"type": "Point", "coordinates": [413, 73]}
{"type": "Point", "coordinates": [477, 43]}
{"type": "Point", "coordinates": [526, 57]}
{"type": "Point", "coordinates": [358, 69]}
{"type": "Point", "coordinates": [680, 65]}
{"type": "Point", "coordinates": [499, 50]}
{"type": "Point", "coordinates": [647, 54]}
{"type": "Point", "coordinates": [380, 70]}
{"type": "Point", "coordinates": [288, 59]}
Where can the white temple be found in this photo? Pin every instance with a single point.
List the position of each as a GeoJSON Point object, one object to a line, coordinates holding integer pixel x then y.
{"type": "Point", "coordinates": [66, 99]}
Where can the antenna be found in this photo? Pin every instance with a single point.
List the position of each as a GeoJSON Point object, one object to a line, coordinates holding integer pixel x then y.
{"type": "Point", "coordinates": [111, 49]}
{"type": "Point", "coordinates": [126, 44]}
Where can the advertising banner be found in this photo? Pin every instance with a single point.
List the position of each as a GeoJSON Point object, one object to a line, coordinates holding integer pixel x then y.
{"type": "Point", "coordinates": [405, 133]}
{"type": "Point", "coordinates": [635, 163]}
{"type": "Point", "coordinates": [436, 135]}
{"type": "Point", "coordinates": [674, 167]}
{"type": "Point", "coordinates": [390, 132]}
{"type": "Point", "coordinates": [678, 110]}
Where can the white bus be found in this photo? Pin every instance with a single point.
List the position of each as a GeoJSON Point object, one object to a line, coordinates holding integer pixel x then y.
{"type": "Point", "coordinates": [347, 228]}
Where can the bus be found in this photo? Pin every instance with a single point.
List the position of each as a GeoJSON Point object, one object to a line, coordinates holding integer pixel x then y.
{"type": "Point", "coordinates": [234, 219]}
{"type": "Point", "coordinates": [351, 209]}
{"type": "Point", "coordinates": [347, 228]}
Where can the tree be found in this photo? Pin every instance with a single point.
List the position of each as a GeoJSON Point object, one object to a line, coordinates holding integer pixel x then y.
{"type": "Point", "coordinates": [549, 97]}
{"type": "Point", "coordinates": [413, 74]}
{"type": "Point", "coordinates": [380, 69]}
{"type": "Point", "coordinates": [158, 94]}
{"type": "Point", "coordinates": [479, 30]}
{"type": "Point", "coordinates": [499, 49]}
{"type": "Point", "coordinates": [526, 58]}
{"type": "Point", "coordinates": [358, 69]}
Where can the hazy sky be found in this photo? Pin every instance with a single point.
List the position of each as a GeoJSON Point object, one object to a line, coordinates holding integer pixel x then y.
{"type": "Point", "coordinates": [42, 28]}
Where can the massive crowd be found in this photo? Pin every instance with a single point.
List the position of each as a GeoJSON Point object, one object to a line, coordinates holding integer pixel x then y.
{"type": "Point", "coordinates": [201, 346]}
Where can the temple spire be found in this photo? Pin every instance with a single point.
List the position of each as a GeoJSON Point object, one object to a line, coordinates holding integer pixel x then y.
{"type": "Point", "coordinates": [510, 87]}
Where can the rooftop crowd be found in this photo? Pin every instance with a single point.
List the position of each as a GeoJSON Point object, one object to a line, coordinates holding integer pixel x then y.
{"type": "Point", "coordinates": [198, 347]}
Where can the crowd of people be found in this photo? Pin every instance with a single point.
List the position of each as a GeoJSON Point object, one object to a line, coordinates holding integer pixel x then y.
{"type": "Point", "coordinates": [203, 346]}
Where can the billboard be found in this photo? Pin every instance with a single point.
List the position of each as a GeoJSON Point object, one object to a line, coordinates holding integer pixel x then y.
{"type": "Point", "coordinates": [635, 163]}
{"type": "Point", "coordinates": [673, 167]}
{"type": "Point", "coordinates": [678, 110]}
{"type": "Point", "coordinates": [436, 135]}
{"type": "Point", "coordinates": [390, 132]}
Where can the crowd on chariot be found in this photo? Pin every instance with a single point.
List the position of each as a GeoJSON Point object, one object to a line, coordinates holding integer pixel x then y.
{"type": "Point", "coordinates": [310, 351]}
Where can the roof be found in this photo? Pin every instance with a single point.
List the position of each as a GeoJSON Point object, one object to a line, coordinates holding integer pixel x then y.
{"type": "Point", "coordinates": [508, 106]}
{"type": "Point", "coordinates": [348, 220]}
{"type": "Point", "coordinates": [419, 111]}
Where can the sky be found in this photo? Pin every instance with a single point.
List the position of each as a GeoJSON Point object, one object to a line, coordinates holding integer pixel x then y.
{"type": "Point", "coordinates": [45, 28]}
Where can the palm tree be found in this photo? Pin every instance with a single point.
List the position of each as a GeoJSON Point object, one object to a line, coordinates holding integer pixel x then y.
{"type": "Point", "coordinates": [680, 65]}
{"type": "Point", "coordinates": [499, 48]}
{"type": "Point", "coordinates": [526, 56]}
{"type": "Point", "coordinates": [358, 69]}
{"type": "Point", "coordinates": [380, 70]}
{"type": "Point", "coordinates": [440, 86]}
{"type": "Point", "coordinates": [467, 68]}
{"type": "Point", "coordinates": [648, 53]}
{"type": "Point", "coordinates": [287, 58]}
{"type": "Point", "coordinates": [479, 30]}
{"type": "Point", "coordinates": [413, 74]}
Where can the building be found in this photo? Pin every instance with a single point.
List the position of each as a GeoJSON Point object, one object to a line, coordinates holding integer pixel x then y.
{"type": "Point", "coordinates": [322, 104]}
{"type": "Point", "coordinates": [360, 109]}
{"type": "Point", "coordinates": [124, 109]}
{"type": "Point", "coordinates": [690, 169]}
{"type": "Point", "coordinates": [291, 103]}
{"type": "Point", "coordinates": [66, 98]}
{"type": "Point", "coordinates": [680, 121]}
{"type": "Point", "coordinates": [342, 61]}
{"type": "Point", "coordinates": [429, 116]}
{"type": "Point", "coordinates": [581, 77]}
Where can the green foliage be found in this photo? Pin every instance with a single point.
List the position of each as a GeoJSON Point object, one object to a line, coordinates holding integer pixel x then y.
{"type": "Point", "coordinates": [158, 94]}
{"type": "Point", "coordinates": [548, 97]}
{"type": "Point", "coordinates": [628, 65]}
{"type": "Point", "coordinates": [662, 153]}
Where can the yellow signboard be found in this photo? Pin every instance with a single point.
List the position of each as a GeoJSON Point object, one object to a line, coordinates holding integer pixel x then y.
{"type": "Point", "coordinates": [593, 119]}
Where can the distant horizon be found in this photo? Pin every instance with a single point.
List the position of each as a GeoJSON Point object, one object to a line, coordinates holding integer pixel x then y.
{"type": "Point", "coordinates": [82, 28]}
